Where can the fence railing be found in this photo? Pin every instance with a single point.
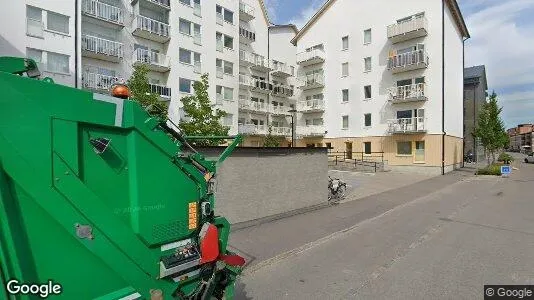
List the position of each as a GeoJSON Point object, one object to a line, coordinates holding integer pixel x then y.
{"type": "Point", "coordinates": [373, 160]}
{"type": "Point", "coordinates": [102, 46]}
{"type": "Point", "coordinates": [152, 26]}
{"type": "Point", "coordinates": [103, 11]}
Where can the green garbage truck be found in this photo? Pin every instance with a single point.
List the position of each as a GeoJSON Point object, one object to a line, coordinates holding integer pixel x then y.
{"type": "Point", "coordinates": [100, 200]}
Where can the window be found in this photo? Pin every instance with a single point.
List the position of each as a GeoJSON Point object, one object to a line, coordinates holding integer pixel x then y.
{"type": "Point", "coordinates": [228, 68]}
{"type": "Point", "coordinates": [228, 42]}
{"type": "Point", "coordinates": [367, 36]}
{"type": "Point", "coordinates": [345, 43]}
{"type": "Point", "coordinates": [419, 151]}
{"type": "Point", "coordinates": [34, 54]}
{"type": "Point", "coordinates": [184, 27]}
{"type": "Point", "coordinates": [367, 92]}
{"type": "Point", "coordinates": [345, 69]}
{"type": "Point", "coordinates": [345, 121]}
{"type": "Point", "coordinates": [185, 56]}
{"type": "Point", "coordinates": [185, 85]}
{"type": "Point", "coordinates": [186, 2]}
{"type": "Point", "coordinates": [345, 94]}
{"type": "Point", "coordinates": [58, 63]}
{"type": "Point", "coordinates": [329, 145]}
{"type": "Point", "coordinates": [228, 120]}
{"type": "Point", "coordinates": [367, 147]}
{"type": "Point", "coordinates": [34, 22]}
{"type": "Point", "coordinates": [229, 16]}
{"type": "Point", "coordinates": [367, 120]}
{"type": "Point", "coordinates": [228, 94]}
{"type": "Point", "coordinates": [367, 62]}
{"type": "Point", "coordinates": [57, 22]}
{"type": "Point", "coordinates": [404, 148]}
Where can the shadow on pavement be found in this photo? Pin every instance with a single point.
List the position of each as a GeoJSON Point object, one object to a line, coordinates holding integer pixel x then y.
{"type": "Point", "coordinates": [240, 292]}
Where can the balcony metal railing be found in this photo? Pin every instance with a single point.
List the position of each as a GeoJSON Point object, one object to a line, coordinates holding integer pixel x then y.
{"type": "Point", "coordinates": [281, 131]}
{"type": "Point", "coordinates": [246, 9]}
{"type": "Point", "coordinates": [102, 46]}
{"type": "Point", "coordinates": [315, 55]}
{"type": "Point", "coordinates": [281, 110]}
{"type": "Point", "coordinates": [34, 27]}
{"type": "Point", "coordinates": [261, 85]}
{"type": "Point", "coordinates": [251, 129]}
{"type": "Point", "coordinates": [407, 26]}
{"type": "Point", "coordinates": [409, 59]}
{"type": "Point", "coordinates": [163, 91]}
{"type": "Point", "coordinates": [152, 26]}
{"type": "Point", "coordinates": [165, 3]}
{"type": "Point", "coordinates": [311, 130]}
{"type": "Point", "coordinates": [309, 105]}
{"type": "Point", "coordinates": [245, 80]}
{"type": "Point", "coordinates": [282, 68]}
{"type": "Point", "coordinates": [97, 81]}
{"type": "Point", "coordinates": [407, 92]}
{"type": "Point", "coordinates": [247, 34]}
{"type": "Point", "coordinates": [283, 91]}
{"type": "Point", "coordinates": [312, 80]}
{"type": "Point", "coordinates": [103, 11]}
{"type": "Point", "coordinates": [407, 125]}
{"type": "Point", "coordinates": [150, 57]}
{"type": "Point", "coordinates": [253, 105]}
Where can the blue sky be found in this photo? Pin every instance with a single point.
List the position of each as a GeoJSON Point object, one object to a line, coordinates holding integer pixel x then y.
{"type": "Point", "coordinates": [502, 38]}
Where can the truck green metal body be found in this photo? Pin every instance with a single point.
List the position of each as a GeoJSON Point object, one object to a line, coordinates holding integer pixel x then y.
{"type": "Point", "coordinates": [99, 221]}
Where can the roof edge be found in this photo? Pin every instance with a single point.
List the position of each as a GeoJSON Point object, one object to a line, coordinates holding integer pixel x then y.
{"type": "Point", "coordinates": [457, 12]}
{"type": "Point", "coordinates": [292, 26]}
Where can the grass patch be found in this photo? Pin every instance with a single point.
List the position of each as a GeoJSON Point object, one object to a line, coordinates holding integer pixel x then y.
{"type": "Point", "coordinates": [494, 170]}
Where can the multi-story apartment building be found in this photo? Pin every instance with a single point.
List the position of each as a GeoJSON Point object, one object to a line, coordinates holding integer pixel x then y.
{"type": "Point", "coordinates": [475, 94]}
{"type": "Point", "coordinates": [388, 80]}
{"type": "Point", "coordinates": [521, 138]}
{"type": "Point", "coordinates": [45, 31]}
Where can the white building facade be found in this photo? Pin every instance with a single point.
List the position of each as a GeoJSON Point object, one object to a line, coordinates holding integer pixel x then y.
{"type": "Point", "coordinates": [387, 83]}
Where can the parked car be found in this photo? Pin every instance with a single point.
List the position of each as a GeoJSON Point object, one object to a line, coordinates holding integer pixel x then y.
{"type": "Point", "coordinates": [529, 158]}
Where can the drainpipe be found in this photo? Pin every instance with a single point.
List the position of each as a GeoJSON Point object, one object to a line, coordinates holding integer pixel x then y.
{"type": "Point", "coordinates": [463, 98]}
{"type": "Point", "coordinates": [443, 87]}
{"type": "Point", "coordinates": [76, 26]}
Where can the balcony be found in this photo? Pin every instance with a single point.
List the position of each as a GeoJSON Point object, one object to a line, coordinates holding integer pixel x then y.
{"type": "Point", "coordinates": [261, 86]}
{"type": "Point", "coordinates": [281, 70]}
{"type": "Point", "coordinates": [280, 110]}
{"type": "Point", "coordinates": [151, 29]}
{"type": "Point", "coordinates": [281, 131]}
{"type": "Point", "coordinates": [311, 106]}
{"type": "Point", "coordinates": [251, 129]}
{"type": "Point", "coordinates": [417, 59]}
{"type": "Point", "coordinates": [281, 90]}
{"type": "Point", "coordinates": [407, 93]}
{"type": "Point", "coordinates": [312, 81]}
{"type": "Point", "coordinates": [407, 30]}
{"type": "Point", "coordinates": [99, 82]}
{"type": "Point", "coordinates": [308, 58]}
{"type": "Point", "coordinates": [246, 12]}
{"type": "Point", "coordinates": [103, 49]}
{"type": "Point", "coordinates": [253, 106]}
{"type": "Point", "coordinates": [103, 12]}
{"type": "Point", "coordinates": [162, 5]}
{"type": "Point", "coordinates": [246, 36]}
{"type": "Point", "coordinates": [163, 91]}
{"type": "Point", "coordinates": [156, 62]}
{"type": "Point", "coordinates": [407, 125]}
{"type": "Point", "coordinates": [254, 61]}
{"type": "Point", "coordinates": [311, 131]}
{"type": "Point", "coordinates": [245, 81]}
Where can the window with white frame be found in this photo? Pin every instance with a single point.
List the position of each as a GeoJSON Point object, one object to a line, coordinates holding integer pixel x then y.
{"type": "Point", "coordinates": [367, 36]}
{"type": "Point", "coordinates": [185, 85]}
{"type": "Point", "coordinates": [228, 68]}
{"type": "Point", "coordinates": [345, 69]}
{"type": "Point", "coordinates": [57, 63]}
{"type": "Point", "coordinates": [367, 92]}
{"type": "Point", "coordinates": [345, 43]}
{"type": "Point", "coordinates": [35, 54]}
{"type": "Point", "coordinates": [345, 122]}
{"type": "Point", "coordinates": [184, 26]}
{"type": "Point", "coordinates": [57, 22]}
{"type": "Point", "coordinates": [345, 95]}
{"type": "Point", "coordinates": [34, 21]}
{"type": "Point", "coordinates": [185, 56]}
{"type": "Point", "coordinates": [226, 14]}
{"type": "Point", "coordinates": [228, 42]}
{"type": "Point", "coordinates": [367, 64]}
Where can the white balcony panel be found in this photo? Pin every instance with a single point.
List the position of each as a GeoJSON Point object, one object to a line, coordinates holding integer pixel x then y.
{"type": "Point", "coordinates": [151, 29]}
{"type": "Point", "coordinates": [407, 125]}
{"type": "Point", "coordinates": [407, 30]}
{"type": "Point", "coordinates": [312, 57]}
{"type": "Point", "coordinates": [103, 12]}
{"type": "Point", "coordinates": [407, 93]}
{"type": "Point", "coordinates": [417, 59]}
{"type": "Point", "coordinates": [154, 61]}
{"type": "Point", "coordinates": [103, 49]}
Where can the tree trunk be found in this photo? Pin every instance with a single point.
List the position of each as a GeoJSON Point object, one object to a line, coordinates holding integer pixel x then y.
{"type": "Point", "coordinates": [492, 157]}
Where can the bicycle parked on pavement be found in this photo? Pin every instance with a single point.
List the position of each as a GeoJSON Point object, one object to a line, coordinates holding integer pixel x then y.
{"type": "Point", "coordinates": [336, 190]}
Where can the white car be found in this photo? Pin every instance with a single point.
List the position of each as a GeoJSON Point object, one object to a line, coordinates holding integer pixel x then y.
{"type": "Point", "coordinates": [529, 158]}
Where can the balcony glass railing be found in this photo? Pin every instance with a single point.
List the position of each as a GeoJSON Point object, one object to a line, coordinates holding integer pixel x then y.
{"type": "Point", "coordinates": [152, 26]}
{"type": "Point", "coordinates": [403, 125]}
{"type": "Point", "coordinates": [404, 27]}
{"type": "Point", "coordinates": [103, 11]}
{"type": "Point", "coordinates": [408, 59]}
{"type": "Point", "coordinates": [163, 91]}
{"type": "Point", "coordinates": [407, 92]}
{"type": "Point", "coordinates": [102, 46]}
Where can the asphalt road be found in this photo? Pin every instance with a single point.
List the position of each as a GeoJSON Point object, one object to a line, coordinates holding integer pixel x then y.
{"type": "Point", "coordinates": [445, 244]}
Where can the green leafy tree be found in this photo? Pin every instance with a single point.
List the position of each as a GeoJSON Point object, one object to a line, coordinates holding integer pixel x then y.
{"type": "Point", "coordinates": [141, 93]}
{"type": "Point", "coordinates": [201, 119]}
{"type": "Point", "coordinates": [271, 140]}
{"type": "Point", "coordinates": [490, 128]}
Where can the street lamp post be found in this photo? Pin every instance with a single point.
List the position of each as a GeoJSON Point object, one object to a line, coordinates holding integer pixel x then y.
{"type": "Point", "coordinates": [292, 111]}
